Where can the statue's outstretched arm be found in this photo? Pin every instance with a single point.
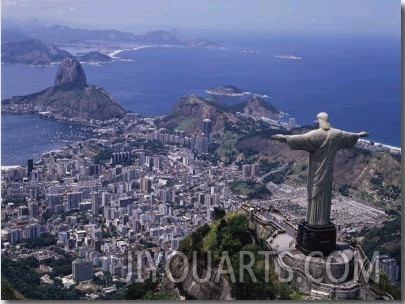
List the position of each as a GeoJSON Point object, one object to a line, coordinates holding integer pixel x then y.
{"type": "Point", "coordinates": [281, 137]}
{"type": "Point", "coordinates": [363, 134]}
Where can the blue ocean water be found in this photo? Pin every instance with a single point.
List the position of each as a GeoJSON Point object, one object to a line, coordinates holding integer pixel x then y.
{"type": "Point", "coordinates": [355, 78]}
{"type": "Point", "coordinates": [28, 136]}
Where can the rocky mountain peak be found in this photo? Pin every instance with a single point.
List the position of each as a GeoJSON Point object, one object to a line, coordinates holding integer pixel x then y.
{"type": "Point", "coordinates": [70, 98]}
{"type": "Point", "coordinates": [70, 71]}
{"type": "Point", "coordinates": [258, 107]}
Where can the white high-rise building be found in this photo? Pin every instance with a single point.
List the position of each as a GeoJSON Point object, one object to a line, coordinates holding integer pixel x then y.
{"type": "Point", "coordinates": [291, 123]}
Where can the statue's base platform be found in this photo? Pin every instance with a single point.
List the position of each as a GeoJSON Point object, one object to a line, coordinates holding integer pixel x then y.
{"type": "Point", "coordinates": [327, 277]}
{"type": "Point", "coordinates": [316, 238]}
{"type": "Point", "coordinates": [331, 276]}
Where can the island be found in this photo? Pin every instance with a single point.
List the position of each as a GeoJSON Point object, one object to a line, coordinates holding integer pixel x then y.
{"type": "Point", "coordinates": [95, 57]}
{"type": "Point", "coordinates": [251, 51]}
{"type": "Point", "coordinates": [227, 90]}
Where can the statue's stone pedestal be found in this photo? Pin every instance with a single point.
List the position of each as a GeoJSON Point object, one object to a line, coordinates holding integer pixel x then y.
{"type": "Point", "coordinates": [316, 238]}
{"type": "Point", "coordinates": [328, 277]}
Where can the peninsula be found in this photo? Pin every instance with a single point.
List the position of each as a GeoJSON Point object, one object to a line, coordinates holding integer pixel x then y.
{"type": "Point", "coordinates": [71, 98]}
{"type": "Point", "coordinates": [32, 52]}
{"type": "Point", "coordinates": [95, 57]}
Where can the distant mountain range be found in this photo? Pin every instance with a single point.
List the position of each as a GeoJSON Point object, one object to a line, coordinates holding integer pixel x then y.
{"type": "Point", "coordinates": [36, 44]}
{"type": "Point", "coordinates": [35, 52]}
{"type": "Point", "coordinates": [63, 35]}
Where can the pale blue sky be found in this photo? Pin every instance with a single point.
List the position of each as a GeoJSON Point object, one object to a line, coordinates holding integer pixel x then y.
{"type": "Point", "coordinates": [375, 16]}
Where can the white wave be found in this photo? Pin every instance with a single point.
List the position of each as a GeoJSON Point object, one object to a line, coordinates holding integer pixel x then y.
{"type": "Point", "coordinates": [377, 144]}
{"type": "Point", "coordinates": [95, 63]}
{"type": "Point", "coordinates": [143, 47]}
{"type": "Point", "coordinates": [290, 57]}
{"type": "Point", "coordinates": [261, 95]}
{"type": "Point", "coordinates": [114, 53]}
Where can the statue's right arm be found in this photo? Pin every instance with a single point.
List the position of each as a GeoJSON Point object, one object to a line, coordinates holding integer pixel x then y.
{"type": "Point", "coordinates": [279, 137]}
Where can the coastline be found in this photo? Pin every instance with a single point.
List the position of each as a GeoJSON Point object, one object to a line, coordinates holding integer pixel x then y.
{"type": "Point", "coordinates": [113, 54]}
{"type": "Point", "coordinates": [378, 145]}
{"type": "Point", "coordinates": [116, 53]}
{"type": "Point", "coordinates": [58, 134]}
{"type": "Point", "coordinates": [363, 143]}
{"type": "Point", "coordinates": [213, 92]}
{"type": "Point", "coordinates": [54, 117]}
{"type": "Point", "coordinates": [139, 47]}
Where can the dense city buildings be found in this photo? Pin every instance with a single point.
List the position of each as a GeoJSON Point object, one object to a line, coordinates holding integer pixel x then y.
{"type": "Point", "coordinates": [143, 190]}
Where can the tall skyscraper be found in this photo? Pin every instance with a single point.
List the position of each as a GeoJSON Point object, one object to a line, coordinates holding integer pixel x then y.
{"type": "Point", "coordinates": [390, 267]}
{"type": "Point", "coordinates": [105, 198]}
{"type": "Point", "coordinates": [201, 144]}
{"type": "Point", "coordinates": [30, 167]}
{"type": "Point", "coordinates": [33, 209]}
{"type": "Point", "coordinates": [82, 270]}
{"type": "Point", "coordinates": [15, 235]}
{"type": "Point", "coordinates": [146, 184]}
{"type": "Point", "coordinates": [32, 231]}
{"type": "Point", "coordinates": [95, 202]}
{"type": "Point", "coordinates": [73, 200]}
{"type": "Point", "coordinates": [23, 211]}
{"type": "Point", "coordinates": [207, 127]}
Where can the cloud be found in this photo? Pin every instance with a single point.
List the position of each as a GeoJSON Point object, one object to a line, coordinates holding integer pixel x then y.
{"type": "Point", "coordinates": [13, 3]}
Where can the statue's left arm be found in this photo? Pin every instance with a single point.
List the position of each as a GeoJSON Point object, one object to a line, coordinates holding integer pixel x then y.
{"type": "Point", "coordinates": [348, 139]}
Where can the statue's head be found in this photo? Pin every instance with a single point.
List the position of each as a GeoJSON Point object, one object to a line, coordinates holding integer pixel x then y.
{"type": "Point", "coordinates": [323, 120]}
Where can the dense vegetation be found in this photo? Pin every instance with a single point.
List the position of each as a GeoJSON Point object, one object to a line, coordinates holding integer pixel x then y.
{"type": "Point", "coordinates": [27, 281]}
{"type": "Point", "coordinates": [45, 240]}
{"type": "Point", "coordinates": [231, 234]}
{"type": "Point", "coordinates": [226, 150]}
{"type": "Point", "coordinates": [385, 240]}
{"type": "Point", "coordinates": [8, 292]}
{"type": "Point", "coordinates": [252, 189]}
{"type": "Point", "coordinates": [147, 290]}
{"type": "Point", "coordinates": [384, 285]}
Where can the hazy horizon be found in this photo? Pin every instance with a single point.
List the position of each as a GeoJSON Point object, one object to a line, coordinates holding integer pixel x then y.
{"type": "Point", "coordinates": [355, 16]}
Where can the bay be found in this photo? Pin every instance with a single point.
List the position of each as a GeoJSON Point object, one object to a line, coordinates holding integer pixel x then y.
{"type": "Point", "coordinates": [28, 136]}
{"type": "Point", "coordinates": [356, 79]}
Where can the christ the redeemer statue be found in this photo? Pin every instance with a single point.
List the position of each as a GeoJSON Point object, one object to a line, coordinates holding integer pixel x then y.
{"type": "Point", "coordinates": [322, 145]}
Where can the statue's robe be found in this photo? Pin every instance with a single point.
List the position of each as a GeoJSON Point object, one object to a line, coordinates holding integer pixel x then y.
{"type": "Point", "coordinates": [322, 146]}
